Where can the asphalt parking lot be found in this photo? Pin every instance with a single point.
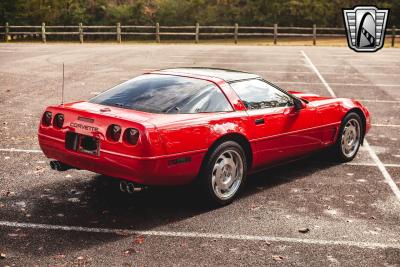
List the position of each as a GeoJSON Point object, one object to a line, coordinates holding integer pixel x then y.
{"type": "Point", "coordinates": [80, 218]}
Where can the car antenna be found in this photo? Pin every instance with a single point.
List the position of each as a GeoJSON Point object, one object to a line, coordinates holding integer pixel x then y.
{"type": "Point", "coordinates": [62, 89]}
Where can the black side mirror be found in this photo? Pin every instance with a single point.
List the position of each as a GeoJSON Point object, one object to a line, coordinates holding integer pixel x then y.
{"type": "Point", "coordinates": [298, 104]}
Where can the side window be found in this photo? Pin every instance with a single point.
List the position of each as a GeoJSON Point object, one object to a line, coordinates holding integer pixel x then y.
{"type": "Point", "coordinates": [209, 99]}
{"type": "Point", "coordinates": [257, 94]}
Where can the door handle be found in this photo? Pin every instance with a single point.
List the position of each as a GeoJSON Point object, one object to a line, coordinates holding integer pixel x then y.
{"type": "Point", "coordinates": [259, 121]}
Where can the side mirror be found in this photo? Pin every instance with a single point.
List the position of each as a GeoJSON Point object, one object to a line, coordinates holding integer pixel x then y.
{"type": "Point", "coordinates": [298, 104]}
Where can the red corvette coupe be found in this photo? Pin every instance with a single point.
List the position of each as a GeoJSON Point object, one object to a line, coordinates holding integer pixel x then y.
{"type": "Point", "coordinates": [213, 126]}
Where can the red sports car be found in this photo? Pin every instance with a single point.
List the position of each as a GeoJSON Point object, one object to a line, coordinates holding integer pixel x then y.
{"type": "Point", "coordinates": [213, 126]}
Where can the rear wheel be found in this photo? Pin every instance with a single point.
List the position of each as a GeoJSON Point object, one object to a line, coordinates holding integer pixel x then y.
{"type": "Point", "coordinates": [349, 139]}
{"type": "Point", "coordinates": [224, 173]}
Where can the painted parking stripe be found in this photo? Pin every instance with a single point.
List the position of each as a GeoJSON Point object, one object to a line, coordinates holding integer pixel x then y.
{"type": "Point", "coordinates": [20, 150]}
{"type": "Point", "coordinates": [369, 164]}
{"type": "Point", "coordinates": [371, 152]}
{"type": "Point", "coordinates": [344, 84]}
{"type": "Point", "coordinates": [386, 125]}
{"type": "Point", "coordinates": [371, 245]}
{"type": "Point", "coordinates": [347, 163]}
{"type": "Point", "coordinates": [189, 61]}
{"type": "Point", "coordinates": [318, 74]}
{"type": "Point", "coordinates": [297, 72]}
{"type": "Point", "coordinates": [379, 101]}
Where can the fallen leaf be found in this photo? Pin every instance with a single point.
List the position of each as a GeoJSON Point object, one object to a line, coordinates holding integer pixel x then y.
{"type": "Point", "coordinates": [139, 240]}
{"type": "Point", "coordinates": [10, 193]}
{"type": "Point", "coordinates": [277, 257]}
{"type": "Point", "coordinates": [130, 251]}
{"type": "Point", "coordinates": [304, 230]}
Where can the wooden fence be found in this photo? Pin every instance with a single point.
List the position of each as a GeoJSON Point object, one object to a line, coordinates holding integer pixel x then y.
{"type": "Point", "coordinates": [195, 31]}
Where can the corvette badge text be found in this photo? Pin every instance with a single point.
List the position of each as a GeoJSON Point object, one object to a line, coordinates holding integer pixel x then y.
{"type": "Point", "coordinates": [84, 127]}
{"type": "Point", "coordinates": [365, 28]}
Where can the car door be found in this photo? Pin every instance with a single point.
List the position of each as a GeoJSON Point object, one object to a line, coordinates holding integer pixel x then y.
{"type": "Point", "coordinates": [279, 130]}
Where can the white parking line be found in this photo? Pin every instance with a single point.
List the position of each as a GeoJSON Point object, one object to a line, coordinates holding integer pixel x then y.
{"type": "Point", "coordinates": [344, 84]}
{"type": "Point", "coordinates": [263, 64]}
{"type": "Point", "coordinates": [371, 152]}
{"type": "Point", "coordinates": [370, 245]}
{"type": "Point", "coordinates": [386, 125]}
{"type": "Point", "coordinates": [325, 73]}
{"type": "Point", "coordinates": [347, 163]}
{"type": "Point", "coordinates": [379, 101]}
{"type": "Point", "coordinates": [229, 56]}
{"type": "Point", "coordinates": [318, 74]}
{"type": "Point", "coordinates": [301, 72]}
{"type": "Point", "coordinates": [20, 150]}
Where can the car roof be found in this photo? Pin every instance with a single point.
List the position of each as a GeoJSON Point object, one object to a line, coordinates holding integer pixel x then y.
{"type": "Point", "coordinates": [224, 74]}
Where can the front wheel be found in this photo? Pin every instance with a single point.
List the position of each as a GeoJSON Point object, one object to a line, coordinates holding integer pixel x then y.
{"type": "Point", "coordinates": [349, 138]}
{"type": "Point", "coordinates": [224, 173]}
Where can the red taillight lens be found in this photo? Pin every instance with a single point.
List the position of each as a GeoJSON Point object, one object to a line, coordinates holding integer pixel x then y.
{"type": "Point", "coordinates": [131, 136]}
{"type": "Point", "coordinates": [114, 132]}
{"type": "Point", "coordinates": [58, 120]}
{"type": "Point", "coordinates": [46, 120]}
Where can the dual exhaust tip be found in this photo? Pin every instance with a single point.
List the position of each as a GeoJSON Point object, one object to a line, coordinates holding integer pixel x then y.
{"type": "Point", "coordinates": [129, 187]}
{"type": "Point", "coordinates": [124, 186]}
{"type": "Point", "coordinates": [59, 166]}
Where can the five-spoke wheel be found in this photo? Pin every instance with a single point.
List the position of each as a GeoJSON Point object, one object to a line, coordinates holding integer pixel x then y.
{"type": "Point", "coordinates": [227, 174]}
{"type": "Point", "coordinates": [350, 137]}
{"type": "Point", "coordinates": [224, 172]}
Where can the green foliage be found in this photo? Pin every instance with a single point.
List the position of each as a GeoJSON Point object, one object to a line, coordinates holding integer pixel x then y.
{"type": "Point", "coordinates": [185, 12]}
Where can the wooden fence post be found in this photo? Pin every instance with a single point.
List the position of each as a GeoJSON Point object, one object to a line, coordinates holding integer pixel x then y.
{"type": "Point", "coordinates": [393, 36]}
{"type": "Point", "coordinates": [80, 33]}
{"type": "Point", "coordinates": [6, 31]}
{"type": "Point", "coordinates": [314, 33]}
{"type": "Point", "coordinates": [43, 32]}
{"type": "Point", "coordinates": [197, 33]}
{"type": "Point", "coordinates": [236, 33]}
{"type": "Point", "coordinates": [119, 32]}
{"type": "Point", "coordinates": [275, 33]}
{"type": "Point", "coordinates": [158, 32]}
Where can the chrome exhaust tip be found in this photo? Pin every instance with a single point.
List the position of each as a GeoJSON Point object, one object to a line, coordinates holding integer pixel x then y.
{"type": "Point", "coordinates": [129, 187]}
{"type": "Point", "coordinates": [59, 166]}
{"type": "Point", "coordinates": [123, 186]}
{"type": "Point", "coordinates": [53, 165]}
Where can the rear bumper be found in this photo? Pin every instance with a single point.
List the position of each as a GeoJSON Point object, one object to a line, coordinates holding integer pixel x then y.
{"type": "Point", "coordinates": [160, 170]}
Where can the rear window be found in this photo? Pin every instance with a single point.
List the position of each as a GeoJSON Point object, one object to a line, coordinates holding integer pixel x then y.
{"type": "Point", "coordinates": [165, 94]}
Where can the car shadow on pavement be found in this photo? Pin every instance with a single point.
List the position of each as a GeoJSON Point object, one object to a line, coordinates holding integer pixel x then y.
{"type": "Point", "coordinates": [97, 202]}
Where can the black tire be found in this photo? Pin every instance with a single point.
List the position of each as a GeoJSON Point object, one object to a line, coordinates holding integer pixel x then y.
{"type": "Point", "coordinates": [337, 149]}
{"type": "Point", "coordinates": [206, 174]}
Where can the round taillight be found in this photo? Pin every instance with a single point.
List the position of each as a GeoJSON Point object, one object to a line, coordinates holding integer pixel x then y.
{"type": "Point", "coordinates": [131, 136]}
{"type": "Point", "coordinates": [46, 120]}
{"type": "Point", "coordinates": [114, 132]}
{"type": "Point", "coordinates": [58, 120]}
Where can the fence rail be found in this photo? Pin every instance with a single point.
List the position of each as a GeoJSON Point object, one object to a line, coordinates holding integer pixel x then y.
{"type": "Point", "coordinates": [195, 31]}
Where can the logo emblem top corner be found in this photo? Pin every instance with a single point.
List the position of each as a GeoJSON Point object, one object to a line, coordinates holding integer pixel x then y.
{"type": "Point", "coordinates": [365, 27]}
